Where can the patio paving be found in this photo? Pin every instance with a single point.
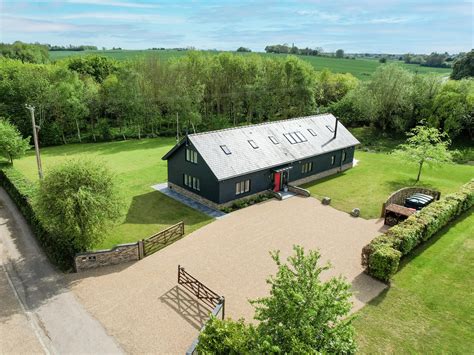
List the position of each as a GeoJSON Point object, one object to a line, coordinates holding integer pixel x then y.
{"type": "Point", "coordinates": [164, 189]}
{"type": "Point", "coordinates": [142, 306]}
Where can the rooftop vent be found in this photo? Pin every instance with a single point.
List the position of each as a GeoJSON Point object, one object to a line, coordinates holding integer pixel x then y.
{"type": "Point", "coordinates": [253, 144]}
{"type": "Point", "coordinates": [225, 150]}
{"type": "Point", "coordinates": [330, 128]}
{"type": "Point", "coordinates": [313, 133]}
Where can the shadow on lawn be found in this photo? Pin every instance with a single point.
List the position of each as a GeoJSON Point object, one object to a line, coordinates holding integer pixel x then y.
{"type": "Point", "coordinates": [426, 245]}
{"type": "Point", "coordinates": [156, 208]}
{"type": "Point", "coordinates": [395, 185]}
{"type": "Point", "coordinates": [108, 148]}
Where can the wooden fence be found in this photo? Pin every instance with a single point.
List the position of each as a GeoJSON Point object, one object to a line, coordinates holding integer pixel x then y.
{"type": "Point", "coordinates": [205, 294]}
{"type": "Point", "coordinates": [162, 239]}
{"type": "Point", "coordinates": [129, 252]}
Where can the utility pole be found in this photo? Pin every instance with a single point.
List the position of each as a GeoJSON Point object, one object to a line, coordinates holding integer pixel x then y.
{"type": "Point", "coordinates": [177, 127]}
{"type": "Point", "coordinates": [35, 139]}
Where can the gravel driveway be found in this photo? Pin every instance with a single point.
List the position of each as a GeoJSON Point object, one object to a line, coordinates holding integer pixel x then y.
{"type": "Point", "coordinates": [142, 307]}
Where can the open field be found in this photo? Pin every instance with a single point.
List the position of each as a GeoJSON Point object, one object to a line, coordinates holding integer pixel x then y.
{"type": "Point", "coordinates": [138, 166]}
{"type": "Point", "coordinates": [428, 308]}
{"type": "Point", "coordinates": [360, 68]}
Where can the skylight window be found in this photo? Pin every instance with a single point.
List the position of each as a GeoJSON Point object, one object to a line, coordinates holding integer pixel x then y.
{"type": "Point", "coordinates": [300, 136]}
{"type": "Point", "coordinates": [253, 144]}
{"type": "Point", "coordinates": [274, 140]}
{"type": "Point", "coordinates": [330, 128]}
{"type": "Point", "coordinates": [290, 138]}
{"type": "Point", "coordinates": [295, 137]}
{"type": "Point", "coordinates": [313, 133]}
{"type": "Point", "coordinates": [225, 150]}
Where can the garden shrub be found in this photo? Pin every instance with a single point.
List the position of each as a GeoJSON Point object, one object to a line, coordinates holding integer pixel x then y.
{"type": "Point", "coordinates": [22, 193]}
{"type": "Point", "coordinates": [384, 261]}
{"type": "Point", "coordinates": [382, 255]}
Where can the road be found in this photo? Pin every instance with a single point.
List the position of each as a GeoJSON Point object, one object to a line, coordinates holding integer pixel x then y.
{"type": "Point", "coordinates": [38, 312]}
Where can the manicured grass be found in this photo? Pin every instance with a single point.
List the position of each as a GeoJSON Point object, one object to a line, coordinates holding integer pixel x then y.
{"type": "Point", "coordinates": [429, 307]}
{"type": "Point", "coordinates": [137, 165]}
{"type": "Point", "coordinates": [377, 175]}
{"type": "Point", "coordinates": [360, 68]}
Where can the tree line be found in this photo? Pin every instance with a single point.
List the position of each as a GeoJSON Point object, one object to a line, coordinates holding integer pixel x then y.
{"type": "Point", "coordinates": [96, 98]}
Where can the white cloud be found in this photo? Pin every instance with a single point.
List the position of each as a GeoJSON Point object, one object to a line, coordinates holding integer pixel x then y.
{"type": "Point", "coordinates": [19, 24]}
{"type": "Point", "coordinates": [325, 16]}
{"type": "Point", "coordinates": [114, 3]}
{"type": "Point", "coordinates": [390, 20]}
{"type": "Point", "coordinates": [155, 18]}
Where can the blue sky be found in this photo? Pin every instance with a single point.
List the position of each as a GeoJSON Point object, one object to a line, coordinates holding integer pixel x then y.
{"type": "Point", "coordinates": [388, 26]}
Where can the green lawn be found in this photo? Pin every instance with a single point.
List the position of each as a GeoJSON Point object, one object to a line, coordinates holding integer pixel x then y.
{"type": "Point", "coordinates": [360, 68]}
{"type": "Point", "coordinates": [137, 165]}
{"type": "Point", "coordinates": [377, 175]}
{"type": "Point", "coordinates": [429, 307]}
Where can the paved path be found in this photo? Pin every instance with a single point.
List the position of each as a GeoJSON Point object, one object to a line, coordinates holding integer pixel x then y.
{"type": "Point", "coordinates": [142, 306]}
{"type": "Point", "coordinates": [164, 189]}
{"type": "Point", "coordinates": [38, 312]}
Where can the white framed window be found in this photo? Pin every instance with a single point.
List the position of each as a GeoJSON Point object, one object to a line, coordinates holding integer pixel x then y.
{"type": "Point", "coordinates": [191, 155]}
{"type": "Point", "coordinates": [192, 182]}
{"type": "Point", "coordinates": [307, 167]}
{"type": "Point", "coordinates": [333, 159]}
{"type": "Point", "coordinates": [242, 187]}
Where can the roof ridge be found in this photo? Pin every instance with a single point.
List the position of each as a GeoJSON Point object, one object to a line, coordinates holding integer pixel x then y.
{"type": "Point", "coordinates": [258, 124]}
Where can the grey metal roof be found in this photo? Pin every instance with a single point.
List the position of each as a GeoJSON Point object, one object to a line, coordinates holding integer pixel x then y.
{"type": "Point", "coordinates": [244, 158]}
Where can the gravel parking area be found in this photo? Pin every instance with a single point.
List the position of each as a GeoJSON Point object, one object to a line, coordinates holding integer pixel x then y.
{"type": "Point", "coordinates": [142, 307]}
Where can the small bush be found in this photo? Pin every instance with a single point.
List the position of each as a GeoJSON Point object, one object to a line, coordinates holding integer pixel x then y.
{"type": "Point", "coordinates": [380, 255]}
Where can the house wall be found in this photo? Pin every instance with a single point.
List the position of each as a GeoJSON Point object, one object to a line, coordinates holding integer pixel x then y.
{"type": "Point", "coordinates": [178, 166]}
{"type": "Point", "coordinates": [263, 180]}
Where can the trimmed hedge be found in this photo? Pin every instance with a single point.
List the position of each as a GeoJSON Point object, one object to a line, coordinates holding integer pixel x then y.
{"type": "Point", "coordinates": [22, 192]}
{"type": "Point", "coordinates": [382, 255]}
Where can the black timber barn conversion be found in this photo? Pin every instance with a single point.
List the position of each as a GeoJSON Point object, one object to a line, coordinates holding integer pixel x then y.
{"type": "Point", "coordinates": [216, 168]}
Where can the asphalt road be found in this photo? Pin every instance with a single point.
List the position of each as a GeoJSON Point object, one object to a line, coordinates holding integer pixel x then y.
{"type": "Point", "coordinates": [38, 312]}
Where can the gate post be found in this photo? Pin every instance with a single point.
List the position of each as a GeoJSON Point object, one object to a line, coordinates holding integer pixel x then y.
{"type": "Point", "coordinates": [141, 250]}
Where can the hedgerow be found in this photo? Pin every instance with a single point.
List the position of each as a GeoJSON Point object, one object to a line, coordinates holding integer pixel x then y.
{"type": "Point", "coordinates": [382, 255]}
{"type": "Point", "coordinates": [22, 192]}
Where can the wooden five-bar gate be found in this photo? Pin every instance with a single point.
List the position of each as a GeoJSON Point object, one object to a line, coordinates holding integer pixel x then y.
{"type": "Point", "coordinates": [204, 294]}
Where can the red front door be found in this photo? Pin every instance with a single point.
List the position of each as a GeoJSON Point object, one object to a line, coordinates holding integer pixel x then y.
{"type": "Point", "coordinates": [277, 182]}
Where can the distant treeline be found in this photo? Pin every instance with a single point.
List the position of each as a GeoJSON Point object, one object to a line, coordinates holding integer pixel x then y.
{"type": "Point", "coordinates": [71, 48]}
{"type": "Point", "coordinates": [286, 49]}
